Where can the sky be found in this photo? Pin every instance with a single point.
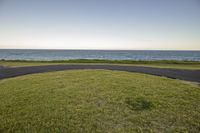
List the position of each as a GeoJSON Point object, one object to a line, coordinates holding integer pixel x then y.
{"type": "Point", "coordinates": [100, 24]}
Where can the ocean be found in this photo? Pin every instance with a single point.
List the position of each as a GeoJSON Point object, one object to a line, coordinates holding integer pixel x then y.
{"type": "Point", "coordinates": [48, 55]}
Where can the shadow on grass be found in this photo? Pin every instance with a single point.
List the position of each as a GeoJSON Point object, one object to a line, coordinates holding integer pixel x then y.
{"type": "Point", "coordinates": [138, 104]}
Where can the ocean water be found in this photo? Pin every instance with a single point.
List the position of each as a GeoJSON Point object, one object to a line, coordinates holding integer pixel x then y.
{"type": "Point", "coordinates": [13, 54]}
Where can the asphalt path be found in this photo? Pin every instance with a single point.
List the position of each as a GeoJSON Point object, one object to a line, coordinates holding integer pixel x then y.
{"type": "Point", "coordinates": [188, 75]}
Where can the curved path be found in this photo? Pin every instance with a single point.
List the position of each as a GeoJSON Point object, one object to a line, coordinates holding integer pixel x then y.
{"type": "Point", "coordinates": [188, 75]}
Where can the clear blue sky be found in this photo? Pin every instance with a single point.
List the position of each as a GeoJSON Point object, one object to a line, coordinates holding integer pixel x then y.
{"type": "Point", "coordinates": [100, 24]}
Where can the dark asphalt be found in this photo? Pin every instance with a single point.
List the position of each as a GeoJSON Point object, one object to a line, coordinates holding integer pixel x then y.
{"type": "Point", "coordinates": [188, 75]}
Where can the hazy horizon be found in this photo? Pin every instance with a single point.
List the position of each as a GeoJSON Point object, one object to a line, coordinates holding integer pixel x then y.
{"type": "Point", "coordinates": [93, 49]}
{"type": "Point", "coordinates": [100, 25]}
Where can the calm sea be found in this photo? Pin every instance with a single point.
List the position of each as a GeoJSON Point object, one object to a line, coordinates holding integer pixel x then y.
{"type": "Point", "coordinates": [98, 54]}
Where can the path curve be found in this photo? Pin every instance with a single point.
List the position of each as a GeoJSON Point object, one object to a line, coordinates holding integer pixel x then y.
{"type": "Point", "coordinates": [188, 75]}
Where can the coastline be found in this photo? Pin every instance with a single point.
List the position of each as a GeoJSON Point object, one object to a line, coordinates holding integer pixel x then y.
{"type": "Point", "coordinates": [169, 64]}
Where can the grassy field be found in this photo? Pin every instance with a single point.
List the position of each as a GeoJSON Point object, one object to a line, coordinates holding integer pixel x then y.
{"type": "Point", "coordinates": [98, 101]}
{"type": "Point", "coordinates": [191, 65]}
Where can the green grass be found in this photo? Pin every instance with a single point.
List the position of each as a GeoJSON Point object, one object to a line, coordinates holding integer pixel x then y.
{"type": "Point", "coordinates": [26, 63]}
{"type": "Point", "coordinates": [173, 66]}
{"type": "Point", "coordinates": [191, 65]}
{"type": "Point", "coordinates": [98, 101]}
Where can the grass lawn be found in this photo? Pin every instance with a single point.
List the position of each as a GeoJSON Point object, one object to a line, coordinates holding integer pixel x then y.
{"type": "Point", "coordinates": [98, 101]}
{"type": "Point", "coordinates": [191, 65]}
{"type": "Point", "coordinates": [25, 63]}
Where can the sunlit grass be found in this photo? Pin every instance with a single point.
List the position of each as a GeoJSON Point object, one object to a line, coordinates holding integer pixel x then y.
{"type": "Point", "coordinates": [98, 101]}
{"type": "Point", "coordinates": [191, 65]}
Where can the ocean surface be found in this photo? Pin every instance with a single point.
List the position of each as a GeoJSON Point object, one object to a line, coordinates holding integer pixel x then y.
{"type": "Point", "coordinates": [12, 54]}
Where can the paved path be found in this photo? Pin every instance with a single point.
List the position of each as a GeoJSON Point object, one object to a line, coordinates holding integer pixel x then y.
{"type": "Point", "coordinates": [188, 75]}
{"type": "Point", "coordinates": [1, 67]}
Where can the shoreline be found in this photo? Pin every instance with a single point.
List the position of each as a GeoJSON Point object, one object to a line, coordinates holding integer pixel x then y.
{"type": "Point", "coordinates": [106, 61]}
{"type": "Point", "coordinates": [169, 64]}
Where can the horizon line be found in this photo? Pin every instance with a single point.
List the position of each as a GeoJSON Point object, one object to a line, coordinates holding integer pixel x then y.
{"type": "Point", "coordinates": [99, 49]}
